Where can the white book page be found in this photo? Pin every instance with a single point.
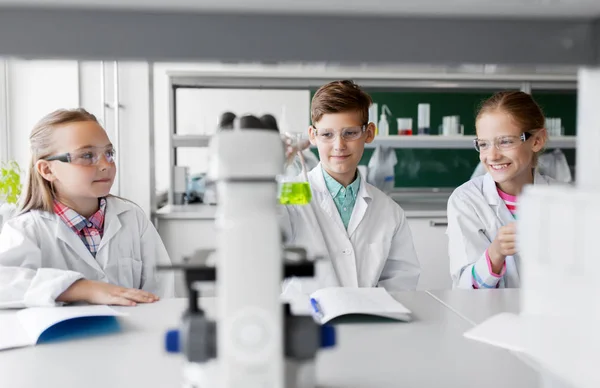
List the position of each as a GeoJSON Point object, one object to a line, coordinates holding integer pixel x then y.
{"type": "Point", "coordinates": [338, 301]}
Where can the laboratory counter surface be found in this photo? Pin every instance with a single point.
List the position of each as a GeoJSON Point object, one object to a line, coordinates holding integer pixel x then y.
{"type": "Point", "coordinates": [476, 307]}
{"type": "Point", "coordinates": [412, 209]}
{"type": "Point", "coordinates": [429, 351]}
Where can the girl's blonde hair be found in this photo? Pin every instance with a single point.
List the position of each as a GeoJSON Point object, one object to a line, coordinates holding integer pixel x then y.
{"type": "Point", "coordinates": [39, 193]}
{"type": "Point", "coordinates": [522, 109]}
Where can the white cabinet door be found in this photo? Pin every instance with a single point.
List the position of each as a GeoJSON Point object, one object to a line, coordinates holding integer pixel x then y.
{"type": "Point", "coordinates": [131, 131]}
{"type": "Point", "coordinates": [431, 244]}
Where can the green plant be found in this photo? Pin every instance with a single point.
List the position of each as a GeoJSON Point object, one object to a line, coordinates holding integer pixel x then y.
{"type": "Point", "coordinates": [10, 182]}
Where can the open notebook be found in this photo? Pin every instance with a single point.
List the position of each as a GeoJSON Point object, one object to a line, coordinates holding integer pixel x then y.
{"type": "Point", "coordinates": [333, 302]}
{"type": "Point", "coordinates": [35, 325]}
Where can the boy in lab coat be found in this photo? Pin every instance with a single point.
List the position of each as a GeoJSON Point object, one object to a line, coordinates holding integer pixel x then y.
{"type": "Point", "coordinates": [361, 233]}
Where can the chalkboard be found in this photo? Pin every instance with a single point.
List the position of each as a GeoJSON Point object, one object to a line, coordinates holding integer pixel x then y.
{"type": "Point", "coordinates": [452, 167]}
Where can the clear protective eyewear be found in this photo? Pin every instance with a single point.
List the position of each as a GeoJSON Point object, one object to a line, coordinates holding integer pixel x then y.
{"type": "Point", "coordinates": [328, 135]}
{"type": "Point", "coordinates": [502, 143]}
{"type": "Point", "coordinates": [85, 157]}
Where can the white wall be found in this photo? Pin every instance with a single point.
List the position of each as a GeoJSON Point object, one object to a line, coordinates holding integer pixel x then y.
{"type": "Point", "coordinates": [198, 111]}
{"type": "Point", "coordinates": [36, 88]}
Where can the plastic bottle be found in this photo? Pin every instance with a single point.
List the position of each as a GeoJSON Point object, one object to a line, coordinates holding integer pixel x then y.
{"type": "Point", "coordinates": [383, 126]}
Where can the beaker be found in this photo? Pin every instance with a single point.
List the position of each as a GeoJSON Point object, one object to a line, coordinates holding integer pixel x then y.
{"type": "Point", "coordinates": [294, 188]}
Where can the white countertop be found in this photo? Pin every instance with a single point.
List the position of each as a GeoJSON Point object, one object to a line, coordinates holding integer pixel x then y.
{"type": "Point", "coordinates": [195, 211]}
{"type": "Point", "coordinates": [428, 352]}
{"type": "Point", "coordinates": [412, 209]}
{"type": "Point", "coordinates": [479, 306]}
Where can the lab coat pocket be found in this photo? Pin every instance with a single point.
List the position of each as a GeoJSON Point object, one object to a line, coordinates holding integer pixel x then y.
{"type": "Point", "coordinates": [376, 262]}
{"type": "Point", "coordinates": [130, 272]}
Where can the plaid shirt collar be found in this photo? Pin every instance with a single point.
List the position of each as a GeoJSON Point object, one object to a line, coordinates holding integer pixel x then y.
{"type": "Point", "coordinates": [76, 221]}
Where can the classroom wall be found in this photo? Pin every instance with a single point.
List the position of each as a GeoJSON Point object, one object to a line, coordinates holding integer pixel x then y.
{"type": "Point", "coordinates": [35, 88]}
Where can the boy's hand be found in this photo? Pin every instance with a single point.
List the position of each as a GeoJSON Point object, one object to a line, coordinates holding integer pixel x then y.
{"type": "Point", "coordinates": [104, 293]}
{"type": "Point", "coordinates": [293, 145]}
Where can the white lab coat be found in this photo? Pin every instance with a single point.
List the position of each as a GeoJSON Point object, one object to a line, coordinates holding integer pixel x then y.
{"type": "Point", "coordinates": [40, 256]}
{"type": "Point", "coordinates": [475, 213]}
{"type": "Point", "coordinates": [376, 250]}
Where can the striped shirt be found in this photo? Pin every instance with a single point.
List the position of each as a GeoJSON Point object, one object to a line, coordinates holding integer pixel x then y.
{"type": "Point", "coordinates": [90, 230]}
{"type": "Point", "coordinates": [510, 201]}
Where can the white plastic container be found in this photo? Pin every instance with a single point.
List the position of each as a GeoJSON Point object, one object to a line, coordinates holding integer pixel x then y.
{"type": "Point", "coordinates": [423, 119]}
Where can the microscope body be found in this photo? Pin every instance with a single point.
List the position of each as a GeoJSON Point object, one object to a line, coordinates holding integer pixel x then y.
{"type": "Point", "coordinates": [255, 340]}
{"type": "Point", "coordinates": [244, 166]}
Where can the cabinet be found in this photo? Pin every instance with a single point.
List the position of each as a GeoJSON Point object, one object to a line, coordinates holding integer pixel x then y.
{"type": "Point", "coordinates": [120, 95]}
{"type": "Point", "coordinates": [431, 244]}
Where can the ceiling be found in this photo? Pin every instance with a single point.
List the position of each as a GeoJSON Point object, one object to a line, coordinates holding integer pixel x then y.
{"type": "Point", "coordinates": [465, 8]}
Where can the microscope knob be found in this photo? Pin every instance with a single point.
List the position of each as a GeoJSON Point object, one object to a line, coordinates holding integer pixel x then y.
{"type": "Point", "coordinates": [172, 341]}
{"type": "Point", "coordinates": [327, 336]}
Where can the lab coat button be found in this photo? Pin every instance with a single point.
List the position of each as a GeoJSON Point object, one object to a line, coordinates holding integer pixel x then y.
{"type": "Point", "coordinates": [347, 251]}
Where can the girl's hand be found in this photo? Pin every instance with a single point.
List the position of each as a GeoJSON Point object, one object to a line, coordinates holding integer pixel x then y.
{"type": "Point", "coordinates": [503, 245]}
{"type": "Point", "coordinates": [95, 292]}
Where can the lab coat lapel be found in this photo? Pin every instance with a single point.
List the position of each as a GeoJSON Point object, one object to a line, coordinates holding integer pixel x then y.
{"type": "Point", "coordinates": [502, 213]}
{"type": "Point", "coordinates": [537, 180]}
{"type": "Point", "coordinates": [363, 198]}
{"type": "Point", "coordinates": [112, 224]}
{"type": "Point", "coordinates": [343, 268]}
{"type": "Point", "coordinates": [64, 233]}
{"type": "Point", "coordinates": [325, 199]}
{"type": "Point", "coordinates": [491, 194]}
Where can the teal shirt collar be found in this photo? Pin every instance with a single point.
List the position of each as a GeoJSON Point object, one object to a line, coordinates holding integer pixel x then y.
{"type": "Point", "coordinates": [334, 187]}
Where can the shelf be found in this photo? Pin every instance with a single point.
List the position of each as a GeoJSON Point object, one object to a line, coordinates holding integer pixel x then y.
{"type": "Point", "coordinates": [433, 141]}
{"type": "Point", "coordinates": [452, 142]}
{"type": "Point", "coordinates": [190, 140]}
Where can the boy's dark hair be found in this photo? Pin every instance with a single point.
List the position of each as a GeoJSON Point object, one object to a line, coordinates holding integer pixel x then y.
{"type": "Point", "coordinates": [338, 97]}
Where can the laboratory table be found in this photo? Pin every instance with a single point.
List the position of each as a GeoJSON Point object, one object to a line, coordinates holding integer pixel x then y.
{"type": "Point", "coordinates": [430, 351]}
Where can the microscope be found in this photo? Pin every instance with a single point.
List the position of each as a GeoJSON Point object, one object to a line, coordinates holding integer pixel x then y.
{"type": "Point", "coordinates": [255, 341]}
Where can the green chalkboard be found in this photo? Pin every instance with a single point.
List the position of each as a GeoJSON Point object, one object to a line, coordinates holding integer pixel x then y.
{"type": "Point", "coordinates": [452, 167]}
